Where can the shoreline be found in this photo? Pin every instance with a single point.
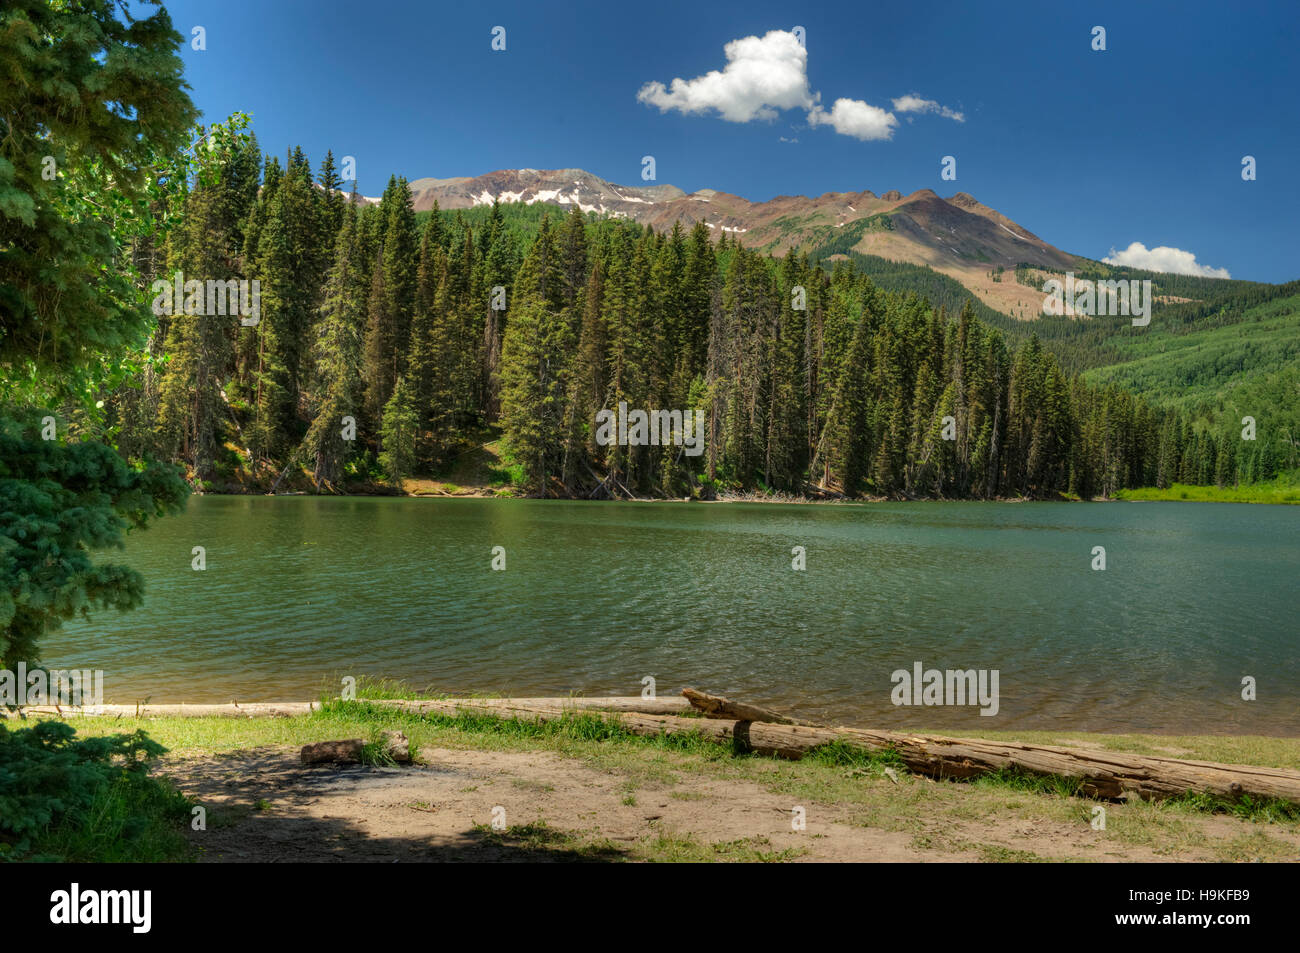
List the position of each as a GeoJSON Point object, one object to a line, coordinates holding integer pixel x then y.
{"type": "Point", "coordinates": [791, 501]}
{"type": "Point", "coordinates": [599, 786]}
{"type": "Point", "coordinates": [111, 711]}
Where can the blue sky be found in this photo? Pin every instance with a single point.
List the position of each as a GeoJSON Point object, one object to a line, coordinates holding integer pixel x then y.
{"type": "Point", "coordinates": [1090, 150]}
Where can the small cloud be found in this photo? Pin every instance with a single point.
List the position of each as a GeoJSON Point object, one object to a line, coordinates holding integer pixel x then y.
{"type": "Point", "coordinates": [784, 139]}
{"type": "Point", "coordinates": [762, 75]}
{"type": "Point", "coordinates": [1173, 261]}
{"type": "Point", "coordinates": [853, 117]}
{"type": "Point", "coordinates": [912, 103]}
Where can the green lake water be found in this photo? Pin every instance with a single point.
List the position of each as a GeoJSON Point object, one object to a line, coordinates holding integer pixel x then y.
{"type": "Point", "coordinates": [300, 591]}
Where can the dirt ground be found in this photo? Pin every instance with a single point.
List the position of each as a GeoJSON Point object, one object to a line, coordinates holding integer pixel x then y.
{"type": "Point", "coordinates": [264, 805]}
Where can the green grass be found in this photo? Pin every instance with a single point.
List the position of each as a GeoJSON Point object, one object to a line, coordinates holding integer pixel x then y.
{"type": "Point", "coordinates": [677, 849]}
{"type": "Point", "coordinates": [1267, 810]}
{"type": "Point", "coordinates": [1010, 780]}
{"type": "Point", "coordinates": [72, 797]}
{"type": "Point", "coordinates": [838, 754]}
{"type": "Point", "coordinates": [1226, 749]}
{"type": "Point", "coordinates": [509, 475]}
{"type": "Point", "coordinates": [1284, 489]}
{"type": "Point", "coordinates": [128, 821]}
{"type": "Point", "coordinates": [370, 686]}
{"type": "Point", "coordinates": [537, 841]}
{"type": "Point", "coordinates": [997, 854]}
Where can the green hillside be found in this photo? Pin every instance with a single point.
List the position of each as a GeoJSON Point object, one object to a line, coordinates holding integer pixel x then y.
{"type": "Point", "coordinates": [1218, 368]}
{"type": "Point", "coordinates": [1212, 364]}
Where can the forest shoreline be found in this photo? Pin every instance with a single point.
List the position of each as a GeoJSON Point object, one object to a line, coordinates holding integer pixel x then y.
{"type": "Point", "coordinates": [1246, 495]}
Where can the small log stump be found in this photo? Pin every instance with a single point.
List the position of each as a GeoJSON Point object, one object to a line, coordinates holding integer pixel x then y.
{"type": "Point", "coordinates": [397, 746]}
{"type": "Point", "coordinates": [347, 751]}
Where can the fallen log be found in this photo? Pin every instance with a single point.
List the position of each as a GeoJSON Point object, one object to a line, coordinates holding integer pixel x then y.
{"type": "Point", "coordinates": [668, 705]}
{"type": "Point", "coordinates": [1101, 774]}
{"type": "Point", "coordinates": [715, 706]}
{"type": "Point", "coordinates": [346, 751]}
{"type": "Point", "coordinates": [231, 710]}
{"type": "Point", "coordinates": [671, 704]}
{"type": "Point", "coordinates": [352, 750]}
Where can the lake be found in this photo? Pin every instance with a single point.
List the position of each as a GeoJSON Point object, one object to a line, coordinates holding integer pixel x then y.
{"type": "Point", "coordinates": [300, 591]}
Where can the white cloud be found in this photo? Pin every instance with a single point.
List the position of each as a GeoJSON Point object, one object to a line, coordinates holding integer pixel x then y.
{"type": "Point", "coordinates": [761, 77]}
{"type": "Point", "coordinates": [853, 117]}
{"type": "Point", "coordinates": [767, 74]}
{"type": "Point", "coordinates": [1172, 261]}
{"type": "Point", "coordinates": [912, 103]}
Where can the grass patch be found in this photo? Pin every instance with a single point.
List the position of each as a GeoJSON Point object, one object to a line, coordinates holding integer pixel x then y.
{"type": "Point", "coordinates": [998, 854]}
{"type": "Point", "coordinates": [1227, 749]}
{"type": "Point", "coordinates": [1284, 489]}
{"type": "Point", "coordinates": [536, 841]}
{"type": "Point", "coordinates": [839, 754]}
{"type": "Point", "coordinates": [689, 850]}
{"type": "Point", "coordinates": [1260, 810]}
{"type": "Point", "coordinates": [70, 799]}
{"type": "Point", "coordinates": [1051, 784]}
{"type": "Point", "coordinates": [125, 822]}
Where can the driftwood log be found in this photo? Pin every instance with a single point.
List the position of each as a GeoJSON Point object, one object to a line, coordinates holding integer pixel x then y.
{"type": "Point", "coordinates": [715, 706]}
{"type": "Point", "coordinates": [230, 710]}
{"type": "Point", "coordinates": [672, 704]}
{"type": "Point", "coordinates": [1102, 774]}
{"type": "Point", "coordinates": [668, 705]}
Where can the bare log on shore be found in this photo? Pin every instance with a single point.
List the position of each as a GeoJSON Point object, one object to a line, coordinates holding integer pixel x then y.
{"type": "Point", "coordinates": [230, 710]}
{"type": "Point", "coordinates": [672, 704]}
{"type": "Point", "coordinates": [669, 705]}
{"type": "Point", "coordinates": [715, 706]}
{"type": "Point", "coordinates": [1102, 774]}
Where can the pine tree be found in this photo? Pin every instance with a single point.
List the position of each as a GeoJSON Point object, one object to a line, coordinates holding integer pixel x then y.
{"type": "Point", "coordinates": [379, 375]}
{"type": "Point", "coordinates": [846, 445]}
{"type": "Point", "coordinates": [587, 383]}
{"type": "Point", "coordinates": [192, 408]}
{"type": "Point", "coordinates": [534, 368]}
{"type": "Point", "coordinates": [338, 360]}
{"type": "Point", "coordinates": [430, 349]}
{"type": "Point", "coordinates": [401, 422]}
{"type": "Point", "coordinates": [290, 267]}
{"type": "Point", "coordinates": [332, 202]}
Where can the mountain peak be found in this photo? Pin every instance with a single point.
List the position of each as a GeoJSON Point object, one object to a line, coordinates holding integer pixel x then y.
{"type": "Point", "coordinates": [958, 236]}
{"type": "Point", "coordinates": [564, 187]}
